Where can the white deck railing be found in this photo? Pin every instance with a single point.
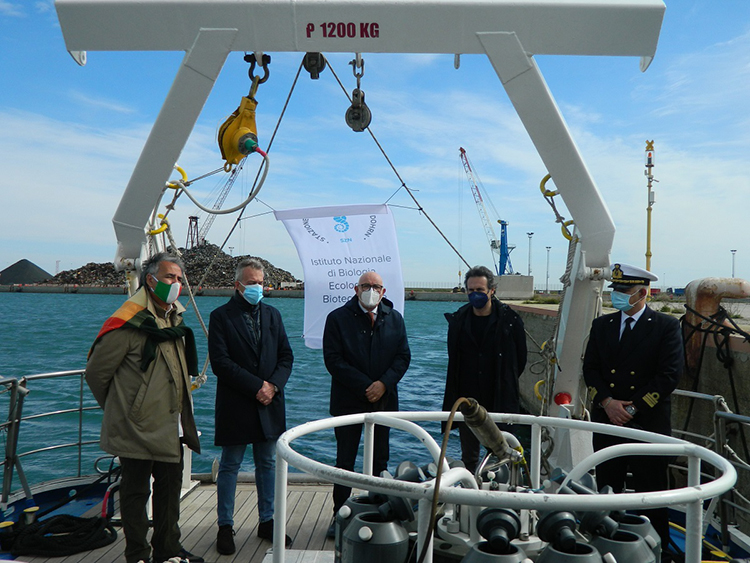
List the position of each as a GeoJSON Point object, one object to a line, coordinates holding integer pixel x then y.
{"type": "Point", "coordinates": [690, 496]}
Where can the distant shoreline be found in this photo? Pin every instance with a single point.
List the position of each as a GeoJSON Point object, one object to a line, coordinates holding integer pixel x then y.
{"type": "Point", "coordinates": [413, 295]}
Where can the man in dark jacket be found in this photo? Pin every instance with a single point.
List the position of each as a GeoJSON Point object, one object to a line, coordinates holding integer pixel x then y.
{"type": "Point", "coordinates": [367, 353]}
{"type": "Point", "coordinates": [633, 362]}
{"type": "Point", "coordinates": [486, 355]}
{"type": "Point", "coordinates": [252, 360]}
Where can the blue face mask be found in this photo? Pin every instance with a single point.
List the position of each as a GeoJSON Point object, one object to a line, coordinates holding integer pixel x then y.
{"type": "Point", "coordinates": [621, 301]}
{"type": "Point", "coordinates": [253, 293]}
{"type": "Point", "coordinates": [478, 300]}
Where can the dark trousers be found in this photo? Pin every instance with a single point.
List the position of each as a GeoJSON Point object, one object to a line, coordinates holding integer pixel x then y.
{"type": "Point", "coordinates": [649, 474]}
{"type": "Point", "coordinates": [347, 445]}
{"type": "Point", "coordinates": [134, 493]}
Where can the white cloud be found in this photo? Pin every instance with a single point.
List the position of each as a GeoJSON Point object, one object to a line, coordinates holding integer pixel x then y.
{"type": "Point", "coordinates": [12, 9]}
{"type": "Point", "coordinates": [705, 90]}
{"type": "Point", "coordinates": [44, 7]}
{"type": "Point", "coordinates": [90, 103]}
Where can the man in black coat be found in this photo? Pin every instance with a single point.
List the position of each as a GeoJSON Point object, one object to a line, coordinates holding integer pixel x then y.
{"type": "Point", "coordinates": [486, 355]}
{"type": "Point", "coordinates": [367, 353]}
{"type": "Point", "coordinates": [633, 362]}
{"type": "Point", "coordinates": [252, 360]}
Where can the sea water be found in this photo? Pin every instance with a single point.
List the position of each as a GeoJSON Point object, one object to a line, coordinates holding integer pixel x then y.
{"type": "Point", "coordinates": [42, 333]}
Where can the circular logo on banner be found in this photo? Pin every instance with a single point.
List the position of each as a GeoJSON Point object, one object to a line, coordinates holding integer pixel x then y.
{"type": "Point", "coordinates": [339, 229]}
{"type": "Point", "coordinates": [341, 225]}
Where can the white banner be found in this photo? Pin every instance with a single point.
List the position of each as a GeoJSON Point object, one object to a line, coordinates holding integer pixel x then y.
{"type": "Point", "coordinates": [336, 245]}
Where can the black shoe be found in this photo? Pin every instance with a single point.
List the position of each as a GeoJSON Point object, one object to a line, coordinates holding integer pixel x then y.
{"type": "Point", "coordinates": [183, 555]}
{"type": "Point", "coordinates": [331, 533]}
{"type": "Point", "coordinates": [225, 540]}
{"type": "Point", "coordinates": [265, 531]}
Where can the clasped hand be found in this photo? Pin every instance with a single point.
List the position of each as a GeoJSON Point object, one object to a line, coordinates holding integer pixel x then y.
{"type": "Point", "coordinates": [266, 393]}
{"type": "Point", "coordinates": [375, 391]}
{"type": "Point", "coordinates": [616, 412]}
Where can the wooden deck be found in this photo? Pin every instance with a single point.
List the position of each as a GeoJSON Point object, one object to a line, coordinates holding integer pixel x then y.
{"type": "Point", "coordinates": [309, 511]}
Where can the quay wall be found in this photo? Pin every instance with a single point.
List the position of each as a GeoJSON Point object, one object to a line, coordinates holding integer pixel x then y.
{"type": "Point", "coordinates": [82, 289]}
{"type": "Point", "coordinates": [223, 292]}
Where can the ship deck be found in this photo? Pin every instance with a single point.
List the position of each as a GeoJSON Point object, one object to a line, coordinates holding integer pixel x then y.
{"type": "Point", "coordinates": [309, 510]}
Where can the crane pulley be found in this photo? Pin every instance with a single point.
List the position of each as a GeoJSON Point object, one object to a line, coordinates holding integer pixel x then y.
{"type": "Point", "coordinates": [238, 135]}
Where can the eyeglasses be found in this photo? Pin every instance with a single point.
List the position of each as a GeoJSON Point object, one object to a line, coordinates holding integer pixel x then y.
{"type": "Point", "coordinates": [369, 286]}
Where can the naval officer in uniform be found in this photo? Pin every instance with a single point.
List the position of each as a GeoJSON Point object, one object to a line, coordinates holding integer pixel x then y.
{"type": "Point", "coordinates": [633, 362]}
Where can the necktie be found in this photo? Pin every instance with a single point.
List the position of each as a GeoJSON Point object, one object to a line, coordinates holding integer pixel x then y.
{"type": "Point", "coordinates": [628, 332]}
{"type": "Point", "coordinates": [372, 318]}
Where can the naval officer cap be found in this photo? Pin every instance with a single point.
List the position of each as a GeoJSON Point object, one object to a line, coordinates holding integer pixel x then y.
{"type": "Point", "coordinates": [625, 276]}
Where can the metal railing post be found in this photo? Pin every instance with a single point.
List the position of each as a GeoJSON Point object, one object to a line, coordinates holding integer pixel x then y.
{"type": "Point", "coordinates": [21, 393]}
{"type": "Point", "coordinates": [10, 442]}
{"type": "Point", "coordinates": [80, 425]}
{"type": "Point", "coordinates": [721, 436]}
{"type": "Point", "coordinates": [423, 523]}
{"type": "Point", "coordinates": [536, 461]}
{"type": "Point", "coordinates": [279, 528]}
{"type": "Point", "coordinates": [693, 515]}
{"type": "Point", "coordinates": [369, 446]}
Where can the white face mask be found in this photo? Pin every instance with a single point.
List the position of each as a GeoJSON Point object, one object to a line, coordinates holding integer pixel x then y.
{"type": "Point", "coordinates": [369, 298]}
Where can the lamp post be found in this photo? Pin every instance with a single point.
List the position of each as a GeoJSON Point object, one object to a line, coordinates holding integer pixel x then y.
{"type": "Point", "coordinates": [546, 290]}
{"type": "Point", "coordinates": [650, 176]}
{"type": "Point", "coordinates": [231, 250]}
{"type": "Point", "coordinates": [733, 253]}
{"type": "Point", "coordinates": [530, 235]}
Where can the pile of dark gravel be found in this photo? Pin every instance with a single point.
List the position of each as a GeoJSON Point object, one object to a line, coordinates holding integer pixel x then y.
{"type": "Point", "coordinates": [197, 262]}
{"type": "Point", "coordinates": [90, 274]}
{"type": "Point", "coordinates": [221, 271]}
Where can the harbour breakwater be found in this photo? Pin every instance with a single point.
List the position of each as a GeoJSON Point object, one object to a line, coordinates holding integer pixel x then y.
{"type": "Point", "coordinates": [409, 294]}
{"type": "Point", "coordinates": [514, 287]}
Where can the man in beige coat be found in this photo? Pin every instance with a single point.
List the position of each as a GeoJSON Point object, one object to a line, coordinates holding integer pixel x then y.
{"type": "Point", "coordinates": [139, 371]}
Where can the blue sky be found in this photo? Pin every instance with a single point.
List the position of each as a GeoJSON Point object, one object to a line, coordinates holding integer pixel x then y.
{"type": "Point", "coordinates": [70, 136]}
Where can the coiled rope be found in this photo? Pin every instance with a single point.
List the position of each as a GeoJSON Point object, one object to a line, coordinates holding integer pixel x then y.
{"type": "Point", "coordinates": [59, 535]}
{"type": "Point", "coordinates": [716, 327]}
